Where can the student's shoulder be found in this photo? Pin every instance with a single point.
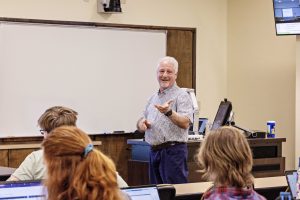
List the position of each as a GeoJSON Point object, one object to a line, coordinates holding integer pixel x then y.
{"type": "Point", "coordinates": [36, 154]}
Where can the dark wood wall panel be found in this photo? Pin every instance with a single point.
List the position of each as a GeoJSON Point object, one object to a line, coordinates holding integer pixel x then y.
{"type": "Point", "coordinates": [180, 44]}
{"type": "Point", "coordinates": [138, 169]}
{"type": "Point", "coordinates": [4, 158]}
{"type": "Point", "coordinates": [16, 156]}
{"type": "Point", "coordinates": [115, 146]}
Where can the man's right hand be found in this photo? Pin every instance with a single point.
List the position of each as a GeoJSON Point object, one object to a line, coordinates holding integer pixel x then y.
{"type": "Point", "coordinates": [143, 125]}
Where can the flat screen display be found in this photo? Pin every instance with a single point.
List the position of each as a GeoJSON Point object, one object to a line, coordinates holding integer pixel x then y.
{"type": "Point", "coordinates": [291, 177]}
{"type": "Point", "coordinates": [142, 193]}
{"type": "Point", "coordinates": [202, 125]}
{"type": "Point", "coordinates": [222, 115]}
{"type": "Point", "coordinates": [20, 190]}
{"type": "Point", "coordinates": [287, 17]}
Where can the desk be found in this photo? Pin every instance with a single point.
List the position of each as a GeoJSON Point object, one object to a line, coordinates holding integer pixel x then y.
{"type": "Point", "coordinates": [5, 173]}
{"type": "Point", "coordinates": [33, 146]}
{"type": "Point", "coordinates": [267, 159]}
{"type": "Point", "coordinates": [189, 189]}
{"type": "Point", "coordinates": [268, 187]}
{"type": "Point", "coordinates": [270, 182]}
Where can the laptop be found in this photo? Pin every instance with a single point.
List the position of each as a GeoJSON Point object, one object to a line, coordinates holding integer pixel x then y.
{"type": "Point", "coordinates": [202, 125]}
{"type": "Point", "coordinates": [20, 190]}
{"type": "Point", "coordinates": [291, 178]}
{"type": "Point", "coordinates": [142, 192]}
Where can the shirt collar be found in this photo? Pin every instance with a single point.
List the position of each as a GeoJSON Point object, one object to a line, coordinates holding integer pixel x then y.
{"type": "Point", "coordinates": [174, 86]}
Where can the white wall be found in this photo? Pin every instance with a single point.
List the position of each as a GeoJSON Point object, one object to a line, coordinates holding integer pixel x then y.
{"type": "Point", "coordinates": [297, 136]}
{"type": "Point", "coordinates": [261, 71]}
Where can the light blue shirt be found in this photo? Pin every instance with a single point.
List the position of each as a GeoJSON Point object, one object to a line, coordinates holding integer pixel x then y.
{"type": "Point", "coordinates": [162, 128]}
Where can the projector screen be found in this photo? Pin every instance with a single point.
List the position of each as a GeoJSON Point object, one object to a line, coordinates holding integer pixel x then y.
{"type": "Point", "coordinates": [105, 74]}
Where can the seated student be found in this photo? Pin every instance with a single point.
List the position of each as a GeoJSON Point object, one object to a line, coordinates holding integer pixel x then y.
{"type": "Point", "coordinates": [76, 170]}
{"type": "Point", "coordinates": [225, 158]}
{"type": "Point", "coordinates": [32, 168]}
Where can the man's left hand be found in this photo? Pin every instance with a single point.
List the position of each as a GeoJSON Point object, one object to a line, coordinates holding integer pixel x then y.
{"type": "Point", "coordinates": [165, 107]}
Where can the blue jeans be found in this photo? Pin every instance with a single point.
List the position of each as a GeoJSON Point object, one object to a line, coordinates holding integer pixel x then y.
{"type": "Point", "coordinates": [169, 165]}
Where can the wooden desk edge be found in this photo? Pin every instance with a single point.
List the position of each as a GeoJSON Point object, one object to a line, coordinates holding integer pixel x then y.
{"type": "Point", "coordinates": [6, 170]}
{"type": "Point", "coordinates": [32, 146]}
{"type": "Point", "coordinates": [270, 182]}
{"type": "Point", "coordinates": [201, 187]}
{"type": "Point", "coordinates": [192, 188]}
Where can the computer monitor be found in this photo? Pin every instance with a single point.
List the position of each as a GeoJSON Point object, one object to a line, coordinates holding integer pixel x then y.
{"type": "Point", "coordinates": [202, 125]}
{"type": "Point", "coordinates": [291, 178]}
{"type": "Point", "coordinates": [142, 193]}
{"type": "Point", "coordinates": [20, 190]}
{"type": "Point", "coordinates": [287, 17]}
{"type": "Point", "coordinates": [222, 115]}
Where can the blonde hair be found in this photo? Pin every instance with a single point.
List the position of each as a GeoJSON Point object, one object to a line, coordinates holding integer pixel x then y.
{"type": "Point", "coordinates": [71, 175]}
{"type": "Point", "coordinates": [57, 116]}
{"type": "Point", "coordinates": [226, 159]}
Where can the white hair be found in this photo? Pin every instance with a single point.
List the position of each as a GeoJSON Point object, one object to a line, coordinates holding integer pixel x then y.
{"type": "Point", "coordinates": [170, 60]}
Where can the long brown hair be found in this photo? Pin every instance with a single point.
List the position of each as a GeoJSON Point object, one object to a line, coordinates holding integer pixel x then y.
{"type": "Point", "coordinates": [71, 175]}
{"type": "Point", "coordinates": [225, 158]}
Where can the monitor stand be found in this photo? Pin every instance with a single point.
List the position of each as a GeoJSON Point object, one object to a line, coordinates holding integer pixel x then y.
{"type": "Point", "coordinates": [247, 133]}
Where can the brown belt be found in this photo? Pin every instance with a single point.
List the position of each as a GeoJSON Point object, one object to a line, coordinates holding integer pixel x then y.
{"type": "Point", "coordinates": [165, 145]}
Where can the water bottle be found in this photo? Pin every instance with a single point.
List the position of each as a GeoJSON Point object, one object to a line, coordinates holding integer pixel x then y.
{"type": "Point", "coordinates": [271, 129]}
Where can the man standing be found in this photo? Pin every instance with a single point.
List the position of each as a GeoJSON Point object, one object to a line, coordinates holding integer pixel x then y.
{"type": "Point", "coordinates": [166, 120]}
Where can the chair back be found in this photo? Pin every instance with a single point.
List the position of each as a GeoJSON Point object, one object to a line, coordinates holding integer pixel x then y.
{"type": "Point", "coordinates": [166, 192]}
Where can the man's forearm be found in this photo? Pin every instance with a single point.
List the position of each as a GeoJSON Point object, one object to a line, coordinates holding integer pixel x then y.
{"type": "Point", "coordinates": [180, 120]}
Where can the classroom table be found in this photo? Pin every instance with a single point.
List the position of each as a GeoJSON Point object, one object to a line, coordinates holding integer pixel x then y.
{"type": "Point", "coordinates": [268, 187]}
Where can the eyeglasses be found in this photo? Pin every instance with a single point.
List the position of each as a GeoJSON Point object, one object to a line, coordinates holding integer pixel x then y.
{"type": "Point", "coordinates": [43, 132]}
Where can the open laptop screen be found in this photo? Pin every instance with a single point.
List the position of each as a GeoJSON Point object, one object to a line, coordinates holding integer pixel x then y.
{"type": "Point", "coordinates": [20, 190]}
{"type": "Point", "coordinates": [202, 125]}
{"type": "Point", "coordinates": [291, 178]}
{"type": "Point", "coordinates": [142, 193]}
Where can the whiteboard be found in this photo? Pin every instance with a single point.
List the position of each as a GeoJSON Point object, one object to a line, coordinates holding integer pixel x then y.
{"type": "Point", "coordinates": [105, 74]}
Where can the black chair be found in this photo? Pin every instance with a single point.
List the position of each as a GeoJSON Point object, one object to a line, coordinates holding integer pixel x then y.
{"type": "Point", "coordinates": [166, 192]}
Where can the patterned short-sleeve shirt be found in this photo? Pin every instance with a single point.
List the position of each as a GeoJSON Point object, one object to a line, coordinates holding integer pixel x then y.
{"type": "Point", "coordinates": [162, 128]}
